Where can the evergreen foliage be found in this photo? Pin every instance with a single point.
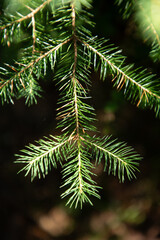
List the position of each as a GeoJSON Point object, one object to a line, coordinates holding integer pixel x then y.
{"type": "Point", "coordinates": [146, 14]}
{"type": "Point", "coordinates": [57, 36]}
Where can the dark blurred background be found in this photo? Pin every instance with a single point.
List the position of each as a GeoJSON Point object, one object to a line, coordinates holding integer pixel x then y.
{"type": "Point", "coordinates": [129, 211]}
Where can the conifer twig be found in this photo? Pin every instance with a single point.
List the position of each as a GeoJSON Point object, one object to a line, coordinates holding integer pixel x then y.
{"type": "Point", "coordinates": [119, 71]}
{"type": "Point", "coordinates": [30, 15]}
{"type": "Point", "coordinates": [31, 64]}
{"type": "Point", "coordinates": [69, 49]}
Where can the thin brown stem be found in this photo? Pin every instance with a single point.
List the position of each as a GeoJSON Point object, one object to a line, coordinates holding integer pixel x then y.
{"type": "Point", "coordinates": [74, 38]}
{"type": "Point", "coordinates": [30, 15]}
{"type": "Point", "coordinates": [33, 62]}
{"type": "Point", "coordinates": [74, 66]}
{"type": "Point", "coordinates": [119, 71]}
{"type": "Point", "coordinates": [33, 33]}
{"type": "Point", "coordinates": [75, 81]}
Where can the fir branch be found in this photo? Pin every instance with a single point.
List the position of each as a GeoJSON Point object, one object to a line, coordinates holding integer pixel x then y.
{"type": "Point", "coordinates": [30, 15]}
{"type": "Point", "coordinates": [126, 7]}
{"type": "Point", "coordinates": [30, 91]}
{"type": "Point", "coordinates": [142, 10]}
{"type": "Point", "coordinates": [147, 25]}
{"type": "Point", "coordinates": [74, 114]}
{"type": "Point", "coordinates": [119, 158]}
{"type": "Point", "coordinates": [151, 27]}
{"type": "Point", "coordinates": [155, 52]}
{"type": "Point", "coordinates": [138, 85]}
{"type": "Point", "coordinates": [77, 174]}
{"type": "Point", "coordinates": [69, 42]}
{"type": "Point", "coordinates": [39, 158]}
{"type": "Point", "coordinates": [27, 69]}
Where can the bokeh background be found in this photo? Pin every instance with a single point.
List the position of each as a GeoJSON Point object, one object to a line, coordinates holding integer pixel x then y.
{"type": "Point", "coordinates": [129, 211]}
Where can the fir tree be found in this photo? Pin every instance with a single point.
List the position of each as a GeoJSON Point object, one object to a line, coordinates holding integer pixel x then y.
{"type": "Point", "coordinates": [58, 36]}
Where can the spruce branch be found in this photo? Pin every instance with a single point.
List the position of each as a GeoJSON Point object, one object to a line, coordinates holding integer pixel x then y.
{"type": "Point", "coordinates": [15, 23]}
{"type": "Point", "coordinates": [119, 158]}
{"type": "Point", "coordinates": [77, 174]}
{"type": "Point", "coordinates": [69, 45]}
{"type": "Point", "coordinates": [22, 76]}
{"type": "Point", "coordinates": [47, 152]}
{"type": "Point", "coordinates": [150, 26]}
{"type": "Point", "coordinates": [138, 85]}
{"type": "Point", "coordinates": [147, 23]}
{"type": "Point", "coordinates": [32, 13]}
{"type": "Point", "coordinates": [126, 7]}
